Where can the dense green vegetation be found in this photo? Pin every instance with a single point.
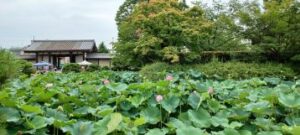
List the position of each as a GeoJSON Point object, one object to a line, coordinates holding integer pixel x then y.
{"type": "Point", "coordinates": [71, 67]}
{"type": "Point", "coordinates": [102, 48]}
{"type": "Point", "coordinates": [11, 66]}
{"type": "Point", "coordinates": [220, 70]}
{"type": "Point", "coordinates": [170, 31]}
{"type": "Point", "coordinates": [123, 103]}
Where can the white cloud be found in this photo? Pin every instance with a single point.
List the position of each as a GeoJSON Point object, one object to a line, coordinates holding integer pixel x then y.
{"type": "Point", "coordinates": [20, 20]}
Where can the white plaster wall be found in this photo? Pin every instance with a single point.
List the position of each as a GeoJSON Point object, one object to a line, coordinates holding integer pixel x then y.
{"type": "Point", "coordinates": [79, 59]}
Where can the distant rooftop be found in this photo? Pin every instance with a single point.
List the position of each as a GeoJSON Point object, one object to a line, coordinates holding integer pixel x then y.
{"type": "Point", "coordinates": [61, 45]}
{"type": "Point", "coordinates": [99, 56]}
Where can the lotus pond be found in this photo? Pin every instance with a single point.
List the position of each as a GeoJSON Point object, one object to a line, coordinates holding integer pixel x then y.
{"type": "Point", "coordinates": [118, 103]}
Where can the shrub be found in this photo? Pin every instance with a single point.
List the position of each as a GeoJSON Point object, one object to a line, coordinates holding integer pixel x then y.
{"type": "Point", "coordinates": [225, 70]}
{"type": "Point", "coordinates": [93, 67]}
{"type": "Point", "coordinates": [71, 67]}
{"type": "Point", "coordinates": [26, 67]}
{"type": "Point", "coordinates": [106, 68]}
{"type": "Point", "coordinates": [240, 70]}
{"type": "Point", "coordinates": [9, 65]}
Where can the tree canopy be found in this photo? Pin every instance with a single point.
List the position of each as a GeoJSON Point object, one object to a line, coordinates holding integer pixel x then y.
{"type": "Point", "coordinates": [102, 48]}
{"type": "Point", "coordinates": [171, 31]}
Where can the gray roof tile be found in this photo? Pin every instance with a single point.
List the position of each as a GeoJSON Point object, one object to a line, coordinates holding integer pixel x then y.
{"type": "Point", "coordinates": [61, 45]}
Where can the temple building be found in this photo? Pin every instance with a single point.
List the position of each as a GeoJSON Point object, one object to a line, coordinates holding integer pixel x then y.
{"type": "Point", "coordinates": [60, 52]}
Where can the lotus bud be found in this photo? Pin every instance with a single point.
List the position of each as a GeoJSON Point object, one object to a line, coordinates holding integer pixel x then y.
{"type": "Point", "coordinates": [60, 108]}
{"type": "Point", "coordinates": [106, 82]}
{"type": "Point", "coordinates": [210, 90]}
{"type": "Point", "coordinates": [169, 78]}
{"type": "Point", "coordinates": [49, 85]}
{"type": "Point", "coordinates": [159, 98]}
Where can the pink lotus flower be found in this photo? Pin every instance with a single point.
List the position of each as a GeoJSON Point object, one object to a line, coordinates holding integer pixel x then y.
{"type": "Point", "coordinates": [210, 90]}
{"type": "Point", "coordinates": [106, 82]}
{"type": "Point", "coordinates": [169, 77]}
{"type": "Point", "coordinates": [159, 98]}
{"type": "Point", "coordinates": [49, 85]}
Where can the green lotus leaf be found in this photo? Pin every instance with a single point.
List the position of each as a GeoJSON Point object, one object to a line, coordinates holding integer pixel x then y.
{"type": "Point", "coordinates": [272, 81]}
{"type": "Point", "coordinates": [269, 133]}
{"type": "Point", "coordinates": [235, 124]}
{"type": "Point", "coordinates": [291, 100]}
{"type": "Point", "coordinates": [256, 82]}
{"type": "Point", "coordinates": [239, 114]}
{"type": "Point", "coordinates": [3, 131]}
{"type": "Point", "coordinates": [231, 131]}
{"type": "Point", "coordinates": [213, 105]}
{"type": "Point", "coordinates": [101, 126]}
{"type": "Point", "coordinates": [137, 100]}
{"type": "Point", "coordinates": [175, 123]}
{"type": "Point", "coordinates": [189, 130]}
{"type": "Point", "coordinates": [79, 128]}
{"type": "Point", "coordinates": [139, 121]}
{"type": "Point", "coordinates": [57, 115]}
{"type": "Point", "coordinates": [115, 120]}
{"type": "Point", "coordinates": [219, 121]}
{"type": "Point", "coordinates": [60, 124]}
{"type": "Point", "coordinates": [194, 100]}
{"type": "Point", "coordinates": [293, 121]}
{"type": "Point", "coordinates": [117, 87]}
{"type": "Point", "coordinates": [32, 109]}
{"type": "Point", "coordinates": [157, 131]}
{"type": "Point", "coordinates": [151, 114]}
{"type": "Point", "coordinates": [295, 130]}
{"type": "Point", "coordinates": [263, 123]}
{"type": "Point", "coordinates": [170, 103]}
{"type": "Point", "coordinates": [259, 107]}
{"type": "Point", "coordinates": [245, 132]}
{"type": "Point", "coordinates": [84, 110]}
{"type": "Point", "coordinates": [3, 95]}
{"type": "Point", "coordinates": [104, 110]}
{"type": "Point", "coordinates": [126, 105]}
{"type": "Point", "coordinates": [9, 114]}
{"type": "Point", "coordinates": [37, 122]}
{"type": "Point", "coordinates": [201, 118]}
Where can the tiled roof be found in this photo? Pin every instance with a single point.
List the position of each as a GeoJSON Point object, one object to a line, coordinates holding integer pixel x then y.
{"type": "Point", "coordinates": [98, 56]}
{"type": "Point", "coordinates": [61, 45]}
{"type": "Point", "coordinates": [27, 57]}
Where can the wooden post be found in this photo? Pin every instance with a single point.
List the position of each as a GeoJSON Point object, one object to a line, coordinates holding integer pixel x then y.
{"type": "Point", "coordinates": [49, 57]}
{"type": "Point", "coordinates": [84, 53]}
{"type": "Point", "coordinates": [36, 57]}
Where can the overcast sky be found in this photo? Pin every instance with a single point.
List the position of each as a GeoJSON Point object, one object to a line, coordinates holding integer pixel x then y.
{"type": "Point", "coordinates": [23, 20]}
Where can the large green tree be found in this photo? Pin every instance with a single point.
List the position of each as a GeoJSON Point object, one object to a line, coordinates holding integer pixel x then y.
{"type": "Point", "coordinates": [273, 27]}
{"type": "Point", "coordinates": [159, 30]}
{"type": "Point", "coordinates": [9, 65]}
{"type": "Point", "coordinates": [102, 48]}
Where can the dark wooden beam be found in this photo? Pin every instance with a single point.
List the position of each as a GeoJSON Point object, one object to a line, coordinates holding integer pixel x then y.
{"type": "Point", "coordinates": [49, 57]}
{"type": "Point", "coordinates": [37, 57]}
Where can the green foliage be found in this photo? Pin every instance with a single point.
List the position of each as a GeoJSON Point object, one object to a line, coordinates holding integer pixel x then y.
{"type": "Point", "coordinates": [80, 104]}
{"type": "Point", "coordinates": [71, 67]}
{"type": "Point", "coordinates": [170, 31]}
{"type": "Point", "coordinates": [26, 67]}
{"type": "Point", "coordinates": [93, 68]}
{"type": "Point", "coordinates": [161, 30]}
{"type": "Point", "coordinates": [102, 48]}
{"type": "Point", "coordinates": [9, 66]}
{"type": "Point", "coordinates": [273, 27]}
{"type": "Point", "coordinates": [239, 70]}
{"type": "Point", "coordinates": [225, 70]}
{"type": "Point", "coordinates": [125, 10]}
